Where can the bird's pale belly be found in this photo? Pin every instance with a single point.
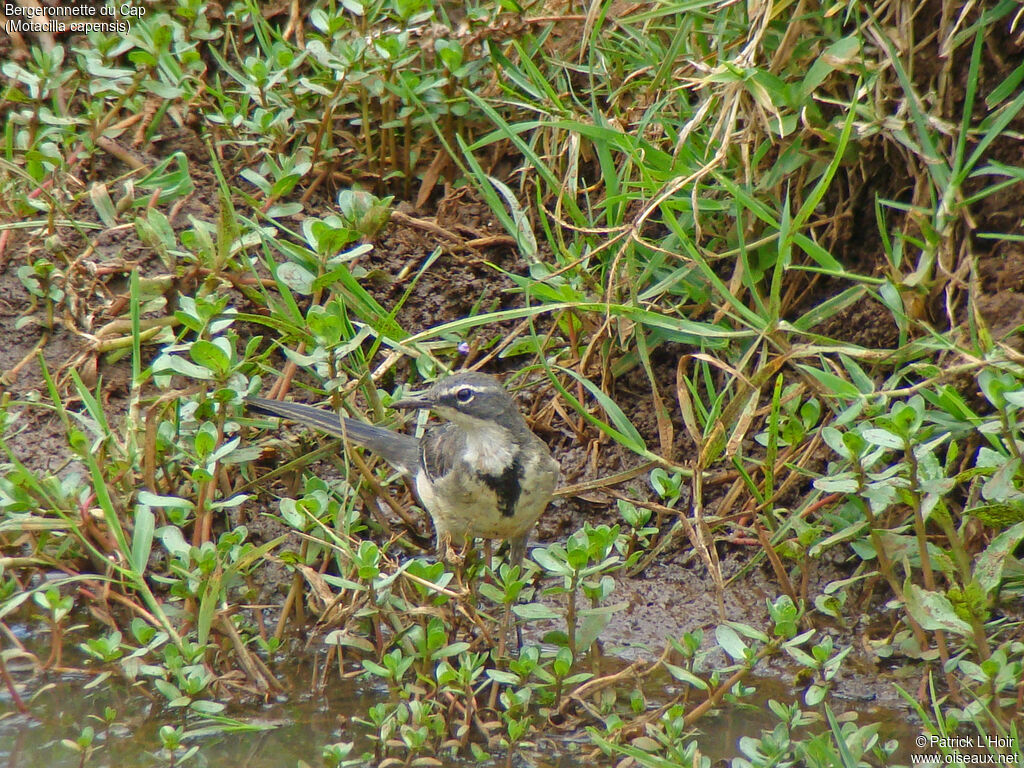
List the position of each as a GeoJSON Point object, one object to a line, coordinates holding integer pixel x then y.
{"type": "Point", "coordinates": [471, 509]}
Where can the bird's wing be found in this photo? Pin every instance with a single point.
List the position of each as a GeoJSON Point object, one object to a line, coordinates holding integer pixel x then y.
{"type": "Point", "coordinates": [438, 450]}
{"type": "Point", "coordinates": [400, 451]}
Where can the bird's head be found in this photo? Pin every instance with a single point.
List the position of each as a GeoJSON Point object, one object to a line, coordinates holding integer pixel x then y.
{"type": "Point", "coordinates": [467, 398]}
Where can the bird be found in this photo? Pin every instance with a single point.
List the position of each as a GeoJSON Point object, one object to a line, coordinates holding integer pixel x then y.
{"type": "Point", "coordinates": [483, 473]}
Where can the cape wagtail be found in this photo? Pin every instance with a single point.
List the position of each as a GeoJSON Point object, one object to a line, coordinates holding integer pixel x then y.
{"type": "Point", "coordinates": [482, 474]}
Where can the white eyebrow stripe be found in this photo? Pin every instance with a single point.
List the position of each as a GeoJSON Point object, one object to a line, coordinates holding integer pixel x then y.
{"type": "Point", "coordinates": [472, 388]}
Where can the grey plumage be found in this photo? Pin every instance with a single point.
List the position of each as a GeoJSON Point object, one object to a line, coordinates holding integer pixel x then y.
{"type": "Point", "coordinates": [401, 451]}
{"type": "Point", "coordinates": [483, 474]}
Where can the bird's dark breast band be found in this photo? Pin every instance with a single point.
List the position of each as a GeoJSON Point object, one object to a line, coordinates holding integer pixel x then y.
{"type": "Point", "coordinates": [506, 487]}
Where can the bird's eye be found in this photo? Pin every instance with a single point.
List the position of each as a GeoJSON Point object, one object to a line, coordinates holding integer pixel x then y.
{"type": "Point", "coordinates": [464, 395]}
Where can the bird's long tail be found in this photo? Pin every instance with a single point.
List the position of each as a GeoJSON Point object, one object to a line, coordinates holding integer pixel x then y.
{"type": "Point", "coordinates": [400, 451]}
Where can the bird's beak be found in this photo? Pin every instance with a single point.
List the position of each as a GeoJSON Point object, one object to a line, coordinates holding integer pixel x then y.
{"type": "Point", "coordinates": [417, 401]}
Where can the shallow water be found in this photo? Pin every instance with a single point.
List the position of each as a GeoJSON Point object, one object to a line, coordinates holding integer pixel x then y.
{"type": "Point", "coordinates": [288, 732]}
{"type": "Point", "coordinates": [282, 733]}
{"type": "Point", "coordinates": [292, 729]}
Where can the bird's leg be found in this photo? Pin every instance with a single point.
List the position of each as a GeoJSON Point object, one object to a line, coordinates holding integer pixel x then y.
{"type": "Point", "coordinates": [503, 630]}
{"type": "Point", "coordinates": [454, 556]}
{"type": "Point", "coordinates": [471, 571]}
{"type": "Point", "coordinates": [516, 556]}
{"type": "Point", "coordinates": [488, 554]}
